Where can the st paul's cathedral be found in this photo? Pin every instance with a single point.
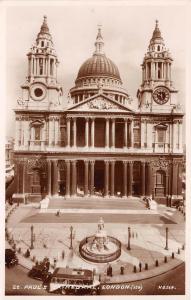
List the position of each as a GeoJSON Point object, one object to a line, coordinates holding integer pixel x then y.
{"type": "Point", "coordinates": [96, 143]}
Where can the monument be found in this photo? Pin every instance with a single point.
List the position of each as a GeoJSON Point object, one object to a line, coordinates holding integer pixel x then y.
{"type": "Point", "coordinates": [100, 248]}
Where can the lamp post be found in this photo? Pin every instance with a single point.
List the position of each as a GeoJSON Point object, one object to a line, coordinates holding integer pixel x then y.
{"type": "Point", "coordinates": [129, 236]}
{"type": "Point", "coordinates": [32, 237]}
{"type": "Point", "coordinates": [71, 237]}
{"type": "Point", "coordinates": [166, 247]}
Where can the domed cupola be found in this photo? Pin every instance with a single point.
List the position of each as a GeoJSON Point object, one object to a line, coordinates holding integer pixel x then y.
{"type": "Point", "coordinates": [95, 71]}
{"type": "Point", "coordinates": [98, 65]}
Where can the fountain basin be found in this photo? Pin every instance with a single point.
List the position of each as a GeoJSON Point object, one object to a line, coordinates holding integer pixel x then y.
{"type": "Point", "coordinates": [110, 250]}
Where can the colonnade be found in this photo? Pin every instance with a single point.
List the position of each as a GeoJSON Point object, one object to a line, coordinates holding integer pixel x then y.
{"type": "Point", "coordinates": [90, 131]}
{"type": "Point", "coordinates": [89, 172]}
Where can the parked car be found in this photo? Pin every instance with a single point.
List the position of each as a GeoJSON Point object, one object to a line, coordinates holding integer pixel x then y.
{"type": "Point", "coordinates": [10, 258]}
{"type": "Point", "coordinates": [39, 271]}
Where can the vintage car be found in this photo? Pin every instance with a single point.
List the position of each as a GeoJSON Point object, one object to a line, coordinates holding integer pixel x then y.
{"type": "Point", "coordinates": [10, 258]}
{"type": "Point", "coordinates": [39, 272]}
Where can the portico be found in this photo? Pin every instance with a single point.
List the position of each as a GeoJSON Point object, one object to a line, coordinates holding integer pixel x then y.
{"type": "Point", "coordinates": [103, 178]}
{"type": "Point", "coordinates": [99, 131]}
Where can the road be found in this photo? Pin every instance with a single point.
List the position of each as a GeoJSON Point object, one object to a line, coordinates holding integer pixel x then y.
{"type": "Point", "coordinates": [170, 283]}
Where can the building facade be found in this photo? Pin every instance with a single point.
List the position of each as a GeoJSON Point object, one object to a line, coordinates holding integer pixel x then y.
{"type": "Point", "coordinates": [95, 143]}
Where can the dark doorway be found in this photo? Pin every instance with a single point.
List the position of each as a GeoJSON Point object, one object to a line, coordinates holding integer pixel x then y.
{"type": "Point", "coordinates": [99, 178]}
{"type": "Point", "coordinates": [119, 133]}
{"type": "Point", "coordinates": [136, 178]}
{"type": "Point", "coordinates": [62, 178]}
{"type": "Point", "coordinates": [35, 182]}
{"type": "Point", "coordinates": [100, 132]}
{"type": "Point", "coordinates": [160, 184]}
{"type": "Point", "coordinates": [80, 177]}
{"type": "Point", "coordinates": [80, 133]}
{"type": "Point", "coordinates": [119, 178]}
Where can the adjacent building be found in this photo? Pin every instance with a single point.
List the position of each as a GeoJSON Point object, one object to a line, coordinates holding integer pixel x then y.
{"type": "Point", "coordinates": [95, 143]}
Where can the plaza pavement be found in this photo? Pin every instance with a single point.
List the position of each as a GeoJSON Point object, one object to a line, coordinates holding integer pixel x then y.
{"type": "Point", "coordinates": [52, 240]}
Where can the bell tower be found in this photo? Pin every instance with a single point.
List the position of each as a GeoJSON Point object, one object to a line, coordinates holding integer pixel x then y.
{"type": "Point", "coordinates": [156, 93]}
{"type": "Point", "coordinates": [41, 90]}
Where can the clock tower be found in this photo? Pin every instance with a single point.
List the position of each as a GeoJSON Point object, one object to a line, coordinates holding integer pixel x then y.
{"type": "Point", "coordinates": [157, 93]}
{"type": "Point", "coordinates": [41, 90]}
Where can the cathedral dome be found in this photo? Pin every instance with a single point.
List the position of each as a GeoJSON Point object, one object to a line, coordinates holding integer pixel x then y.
{"type": "Point", "coordinates": [98, 66]}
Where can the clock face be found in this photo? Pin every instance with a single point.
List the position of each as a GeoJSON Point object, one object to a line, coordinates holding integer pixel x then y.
{"type": "Point", "coordinates": [161, 95]}
{"type": "Point", "coordinates": [38, 92]}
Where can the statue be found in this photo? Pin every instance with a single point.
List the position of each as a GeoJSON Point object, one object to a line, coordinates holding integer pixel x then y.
{"type": "Point", "coordinates": [101, 224]}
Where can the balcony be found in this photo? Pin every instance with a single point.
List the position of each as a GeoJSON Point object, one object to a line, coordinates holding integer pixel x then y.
{"type": "Point", "coordinates": [161, 147]}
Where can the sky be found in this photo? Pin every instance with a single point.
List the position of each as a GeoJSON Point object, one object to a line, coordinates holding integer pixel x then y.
{"type": "Point", "coordinates": [126, 30]}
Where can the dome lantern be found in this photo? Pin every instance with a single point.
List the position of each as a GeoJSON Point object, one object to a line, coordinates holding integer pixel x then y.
{"type": "Point", "coordinates": [99, 44]}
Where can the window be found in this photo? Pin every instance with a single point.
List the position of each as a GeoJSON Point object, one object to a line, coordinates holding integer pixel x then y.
{"type": "Point", "coordinates": [35, 178]}
{"type": "Point", "coordinates": [161, 135]}
{"type": "Point", "coordinates": [41, 66]}
{"type": "Point", "coordinates": [37, 133]}
{"type": "Point", "coordinates": [149, 70]}
{"type": "Point", "coordinates": [137, 137]}
{"type": "Point", "coordinates": [42, 44]}
{"type": "Point", "coordinates": [158, 48]}
{"type": "Point", "coordinates": [51, 66]}
{"type": "Point", "coordinates": [159, 70]}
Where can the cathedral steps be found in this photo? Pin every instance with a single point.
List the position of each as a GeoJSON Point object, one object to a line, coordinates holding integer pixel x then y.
{"type": "Point", "coordinates": [96, 203]}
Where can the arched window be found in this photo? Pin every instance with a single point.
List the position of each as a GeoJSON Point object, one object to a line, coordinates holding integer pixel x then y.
{"type": "Point", "coordinates": [158, 48]}
{"type": "Point", "coordinates": [42, 44]}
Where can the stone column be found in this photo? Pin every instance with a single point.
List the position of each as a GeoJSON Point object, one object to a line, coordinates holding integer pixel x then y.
{"type": "Point", "coordinates": [130, 177]}
{"type": "Point", "coordinates": [125, 133]}
{"type": "Point", "coordinates": [180, 136]}
{"type": "Point", "coordinates": [74, 179]}
{"type": "Point", "coordinates": [87, 132]}
{"type": "Point", "coordinates": [142, 133]}
{"type": "Point", "coordinates": [86, 177]}
{"type": "Point", "coordinates": [129, 134]}
{"type": "Point", "coordinates": [113, 133]}
{"type": "Point", "coordinates": [49, 181]}
{"type": "Point", "coordinates": [93, 132]}
{"type": "Point", "coordinates": [55, 177]}
{"type": "Point", "coordinates": [26, 133]}
{"type": "Point", "coordinates": [112, 178]}
{"type": "Point", "coordinates": [107, 133]}
{"type": "Point", "coordinates": [132, 134]}
{"type": "Point", "coordinates": [16, 133]}
{"type": "Point", "coordinates": [56, 129]}
{"type": "Point", "coordinates": [149, 179]}
{"type": "Point", "coordinates": [92, 163]}
{"type": "Point", "coordinates": [49, 131]}
{"type": "Point", "coordinates": [179, 179]}
{"type": "Point", "coordinates": [124, 178]}
{"type": "Point", "coordinates": [106, 178]}
{"type": "Point", "coordinates": [68, 131]}
{"type": "Point", "coordinates": [174, 178]}
{"type": "Point", "coordinates": [67, 178]}
{"type": "Point", "coordinates": [143, 178]}
{"type": "Point", "coordinates": [74, 132]}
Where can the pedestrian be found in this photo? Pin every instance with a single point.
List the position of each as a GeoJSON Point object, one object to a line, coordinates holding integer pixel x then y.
{"type": "Point", "coordinates": [122, 270]}
{"type": "Point", "coordinates": [110, 271]}
{"type": "Point", "coordinates": [140, 267]}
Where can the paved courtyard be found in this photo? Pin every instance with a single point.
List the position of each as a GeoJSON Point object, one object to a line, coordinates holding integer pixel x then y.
{"type": "Point", "coordinates": [52, 237]}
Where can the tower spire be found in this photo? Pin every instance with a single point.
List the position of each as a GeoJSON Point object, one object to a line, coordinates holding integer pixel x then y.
{"type": "Point", "coordinates": [99, 43]}
{"type": "Point", "coordinates": [44, 28]}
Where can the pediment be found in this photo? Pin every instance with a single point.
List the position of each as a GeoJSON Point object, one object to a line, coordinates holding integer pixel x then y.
{"type": "Point", "coordinates": [99, 103]}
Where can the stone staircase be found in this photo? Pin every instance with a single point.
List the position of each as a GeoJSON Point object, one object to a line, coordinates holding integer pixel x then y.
{"type": "Point", "coordinates": [96, 203]}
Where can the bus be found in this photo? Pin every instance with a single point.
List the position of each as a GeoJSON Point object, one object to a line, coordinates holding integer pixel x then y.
{"type": "Point", "coordinates": [73, 281]}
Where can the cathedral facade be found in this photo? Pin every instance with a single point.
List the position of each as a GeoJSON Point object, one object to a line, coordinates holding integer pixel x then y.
{"type": "Point", "coordinates": [96, 144]}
